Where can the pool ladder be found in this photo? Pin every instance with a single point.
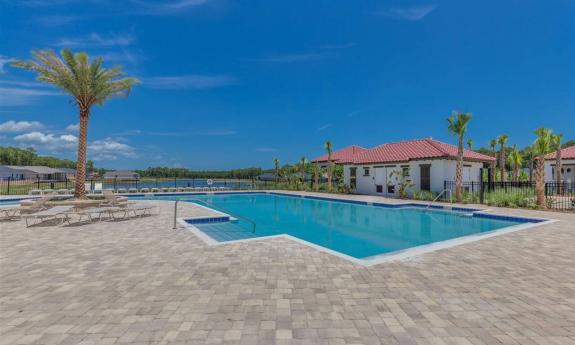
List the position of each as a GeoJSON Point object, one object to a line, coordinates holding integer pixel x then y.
{"type": "Point", "coordinates": [216, 208]}
{"type": "Point", "coordinates": [439, 196]}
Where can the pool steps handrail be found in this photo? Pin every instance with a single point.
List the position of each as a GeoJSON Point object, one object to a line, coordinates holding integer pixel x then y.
{"type": "Point", "coordinates": [217, 208]}
{"type": "Point", "coordinates": [439, 196]}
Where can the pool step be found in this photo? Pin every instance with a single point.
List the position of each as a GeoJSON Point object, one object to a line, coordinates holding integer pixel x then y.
{"type": "Point", "coordinates": [227, 231]}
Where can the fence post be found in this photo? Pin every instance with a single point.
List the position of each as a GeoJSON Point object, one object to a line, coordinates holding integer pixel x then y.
{"type": "Point", "coordinates": [175, 182]}
{"type": "Point", "coordinates": [38, 181]}
{"type": "Point", "coordinates": [8, 189]}
{"type": "Point", "coordinates": [115, 183]}
{"type": "Point", "coordinates": [482, 192]}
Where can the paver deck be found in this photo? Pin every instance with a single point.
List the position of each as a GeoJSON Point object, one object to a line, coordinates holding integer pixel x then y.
{"type": "Point", "coordinates": [140, 282]}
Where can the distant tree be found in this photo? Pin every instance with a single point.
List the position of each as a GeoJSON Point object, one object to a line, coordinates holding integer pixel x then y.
{"type": "Point", "coordinates": [87, 82]}
{"type": "Point", "coordinates": [457, 125]}
{"type": "Point", "coordinates": [502, 140]}
{"type": "Point", "coordinates": [542, 146]}
{"type": "Point", "coordinates": [329, 149]}
{"type": "Point", "coordinates": [302, 163]}
{"type": "Point", "coordinates": [404, 183]}
{"type": "Point", "coordinates": [470, 144]}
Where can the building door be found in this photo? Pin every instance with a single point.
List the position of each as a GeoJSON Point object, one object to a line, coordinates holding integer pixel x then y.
{"type": "Point", "coordinates": [425, 173]}
{"type": "Point", "coordinates": [380, 179]}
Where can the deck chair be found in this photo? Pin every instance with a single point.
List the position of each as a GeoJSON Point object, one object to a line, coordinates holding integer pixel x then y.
{"type": "Point", "coordinates": [51, 213]}
{"type": "Point", "coordinates": [9, 213]}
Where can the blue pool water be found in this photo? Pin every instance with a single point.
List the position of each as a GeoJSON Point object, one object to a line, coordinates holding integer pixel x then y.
{"type": "Point", "coordinates": [357, 230]}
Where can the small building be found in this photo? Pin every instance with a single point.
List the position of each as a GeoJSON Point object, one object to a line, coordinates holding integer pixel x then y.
{"type": "Point", "coordinates": [70, 173]}
{"type": "Point", "coordinates": [567, 165]}
{"type": "Point", "coordinates": [32, 172]}
{"type": "Point", "coordinates": [121, 175]}
{"type": "Point", "coordinates": [427, 164]}
{"type": "Point", "coordinates": [341, 156]}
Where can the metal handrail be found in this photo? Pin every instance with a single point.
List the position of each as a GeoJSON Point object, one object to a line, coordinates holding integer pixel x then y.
{"type": "Point", "coordinates": [440, 194]}
{"type": "Point", "coordinates": [218, 208]}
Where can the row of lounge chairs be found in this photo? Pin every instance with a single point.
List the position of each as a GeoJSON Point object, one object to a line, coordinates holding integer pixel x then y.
{"type": "Point", "coordinates": [132, 190]}
{"type": "Point", "coordinates": [112, 207]}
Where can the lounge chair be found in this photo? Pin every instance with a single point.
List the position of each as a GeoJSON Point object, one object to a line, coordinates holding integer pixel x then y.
{"type": "Point", "coordinates": [51, 213]}
{"type": "Point", "coordinates": [48, 191]}
{"type": "Point", "coordinates": [9, 213]}
{"type": "Point", "coordinates": [133, 190]}
{"type": "Point", "coordinates": [164, 190]}
{"type": "Point", "coordinates": [89, 212]}
{"type": "Point", "coordinates": [132, 209]}
{"type": "Point", "coordinates": [155, 190]}
{"type": "Point", "coordinates": [35, 192]}
{"type": "Point", "coordinates": [35, 205]}
{"type": "Point", "coordinates": [112, 200]}
{"type": "Point", "coordinates": [145, 190]}
{"type": "Point", "coordinates": [63, 191]}
{"type": "Point", "coordinates": [122, 190]}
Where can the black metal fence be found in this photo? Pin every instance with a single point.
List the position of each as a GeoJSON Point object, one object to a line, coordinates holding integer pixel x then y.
{"type": "Point", "coordinates": [38, 186]}
{"type": "Point", "coordinates": [558, 196]}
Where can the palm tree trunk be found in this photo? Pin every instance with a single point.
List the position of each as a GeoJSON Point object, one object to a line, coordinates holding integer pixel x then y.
{"type": "Point", "coordinates": [540, 181]}
{"type": "Point", "coordinates": [558, 168]}
{"type": "Point", "coordinates": [79, 188]}
{"type": "Point", "coordinates": [329, 171]}
{"type": "Point", "coordinates": [502, 163]}
{"type": "Point", "coordinates": [493, 168]}
{"type": "Point", "coordinates": [515, 173]}
{"type": "Point", "coordinates": [459, 171]}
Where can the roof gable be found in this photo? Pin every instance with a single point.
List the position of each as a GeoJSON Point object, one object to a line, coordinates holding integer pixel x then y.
{"type": "Point", "coordinates": [344, 155]}
{"type": "Point", "coordinates": [405, 151]}
{"type": "Point", "coordinates": [566, 153]}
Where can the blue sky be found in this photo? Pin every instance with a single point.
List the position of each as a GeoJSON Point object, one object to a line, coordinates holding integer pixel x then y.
{"type": "Point", "coordinates": [230, 84]}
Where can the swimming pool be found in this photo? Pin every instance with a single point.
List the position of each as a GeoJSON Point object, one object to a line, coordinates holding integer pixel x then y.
{"type": "Point", "coordinates": [354, 229]}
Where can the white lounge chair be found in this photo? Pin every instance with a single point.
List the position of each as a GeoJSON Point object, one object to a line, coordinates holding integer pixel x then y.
{"type": "Point", "coordinates": [51, 213]}
{"type": "Point", "coordinates": [90, 212]}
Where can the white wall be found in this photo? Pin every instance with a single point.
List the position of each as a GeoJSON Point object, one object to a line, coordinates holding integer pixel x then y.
{"type": "Point", "coordinates": [568, 170]}
{"type": "Point", "coordinates": [440, 171]}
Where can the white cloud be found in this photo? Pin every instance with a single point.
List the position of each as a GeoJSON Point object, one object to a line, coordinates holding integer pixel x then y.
{"type": "Point", "coordinates": [48, 141]}
{"type": "Point", "coordinates": [217, 133]}
{"type": "Point", "coordinates": [20, 126]}
{"type": "Point", "coordinates": [324, 127]}
{"type": "Point", "coordinates": [189, 82]}
{"type": "Point", "coordinates": [290, 58]}
{"type": "Point", "coordinates": [413, 13]}
{"type": "Point", "coordinates": [56, 20]}
{"type": "Point", "coordinates": [4, 60]}
{"type": "Point", "coordinates": [159, 7]}
{"type": "Point", "coordinates": [96, 40]}
{"type": "Point", "coordinates": [111, 149]}
{"type": "Point", "coordinates": [73, 127]}
{"type": "Point", "coordinates": [15, 96]}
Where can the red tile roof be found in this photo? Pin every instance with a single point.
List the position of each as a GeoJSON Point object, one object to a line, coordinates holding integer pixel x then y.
{"type": "Point", "coordinates": [344, 155]}
{"type": "Point", "coordinates": [404, 151]}
{"type": "Point", "coordinates": [566, 153]}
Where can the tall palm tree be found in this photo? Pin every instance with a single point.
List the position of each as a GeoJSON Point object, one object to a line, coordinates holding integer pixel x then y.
{"type": "Point", "coordinates": [277, 169]}
{"type": "Point", "coordinates": [470, 144]}
{"type": "Point", "coordinates": [516, 160]}
{"type": "Point", "coordinates": [329, 148]}
{"type": "Point", "coordinates": [541, 147]}
{"type": "Point", "coordinates": [530, 156]}
{"type": "Point", "coordinates": [316, 172]}
{"type": "Point", "coordinates": [558, 164]}
{"type": "Point", "coordinates": [87, 82]}
{"type": "Point", "coordinates": [502, 140]}
{"type": "Point", "coordinates": [458, 126]}
{"type": "Point", "coordinates": [493, 144]}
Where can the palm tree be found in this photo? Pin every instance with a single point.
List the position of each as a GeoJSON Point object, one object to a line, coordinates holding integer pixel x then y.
{"type": "Point", "coordinates": [87, 82]}
{"type": "Point", "coordinates": [329, 148]}
{"type": "Point", "coordinates": [558, 163]}
{"type": "Point", "coordinates": [516, 160]}
{"type": "Point", "coordinates": [502, 140]}
{"type": "Point", "coordinates": [528, 151]}
{"type": "Point", "coordinates": [316, 171]}
{"type": "Point", "coordinates": [302, 163]}
{"type": "Point", "coordinates": [277, 169]}
{"type": "Point", "coordinates": [470, 144]}
{"type": "Point", "coordinates": [493, 144]}
{"type": "Point", "coordinates": [458, 126]}
{"type": "Point", "coordinates": [541, 147]}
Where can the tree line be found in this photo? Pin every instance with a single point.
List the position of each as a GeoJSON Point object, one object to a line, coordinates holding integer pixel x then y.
{"type": "Point", "coordinates": [28, 156]}
{"type": "Point", "coordinates": [166, 172]}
